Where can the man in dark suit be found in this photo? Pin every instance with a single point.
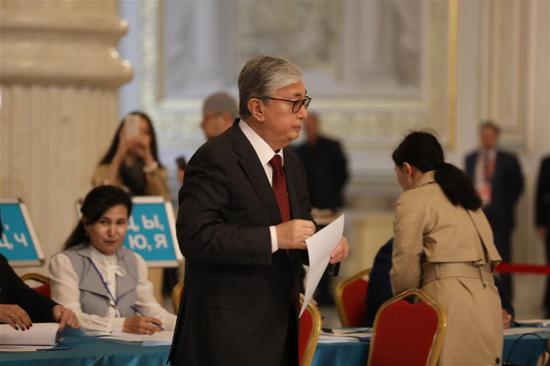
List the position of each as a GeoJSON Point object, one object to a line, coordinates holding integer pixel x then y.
{"type": "Point", "coordinates": [498, 179]}
{"type": "Point", "coordinates": [242, 225]}
{"type": "Point", "coordinates": [325, 165]}
{"type": "Point", "coordinates": [542, 214]}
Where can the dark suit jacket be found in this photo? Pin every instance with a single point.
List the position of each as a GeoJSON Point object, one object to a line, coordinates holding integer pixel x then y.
{"type": "Point", "coordinates": [542, 203]}
{"type": "Point", "coordinates": [239, 300]}
{"type": "Point", "coordinates": [507, 185]}
{"type": "Point", "coordinates": [326, 172]}
{"type": "Point", "coordinates": [14, 291]}
{"type": "Point", "coordinates": [379, 289]}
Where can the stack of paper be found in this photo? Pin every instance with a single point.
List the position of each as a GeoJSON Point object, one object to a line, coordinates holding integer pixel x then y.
{"type": "Point", "coordinates": [524, 330]}
{"type": "Point", "coordinates": [39, 336]}
{"type": "Point", "coordinates": [319, 247]}
{"type": "Point", "coordinates": [336, 335]}
{"type": "Point", "coordinates": [543, 323]}
{"type": "Point", "coordinates": [163, 338]}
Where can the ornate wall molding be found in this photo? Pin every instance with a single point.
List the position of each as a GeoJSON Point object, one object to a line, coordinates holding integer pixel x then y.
{"type": "Point", "coordinates": [370, 122]}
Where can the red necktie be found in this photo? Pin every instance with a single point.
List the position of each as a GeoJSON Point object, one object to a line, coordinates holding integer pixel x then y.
{"type": "Point", "coordinates": [279, 187]}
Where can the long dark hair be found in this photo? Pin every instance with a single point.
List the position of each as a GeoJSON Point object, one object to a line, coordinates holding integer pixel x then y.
{"type": "Point", "coordinates": [96, 202]}
{"type": "Point", "coordinates": [423, 151]}
{"type": "Point", "coordinates": [110, 154]}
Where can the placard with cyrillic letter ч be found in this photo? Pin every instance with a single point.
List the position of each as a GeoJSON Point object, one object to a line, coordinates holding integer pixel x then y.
{"type": "Point", "coordinates": [18, 240]}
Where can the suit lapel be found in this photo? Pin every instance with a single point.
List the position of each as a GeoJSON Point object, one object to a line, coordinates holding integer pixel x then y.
{"type": "Point", "coordinates": [253, 169]}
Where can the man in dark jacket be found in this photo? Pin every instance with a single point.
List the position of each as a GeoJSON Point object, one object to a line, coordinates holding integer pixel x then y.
{"type": "Point", "coordinates": [243, 219]}
{"type": "Point", "coordinates": [325, 165]}
{"type": "Point", "coordinates": [497, 177]}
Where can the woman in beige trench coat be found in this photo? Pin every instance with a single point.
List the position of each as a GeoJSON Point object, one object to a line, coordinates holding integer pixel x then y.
{"type": "Point", "coordinates": [443, 244]}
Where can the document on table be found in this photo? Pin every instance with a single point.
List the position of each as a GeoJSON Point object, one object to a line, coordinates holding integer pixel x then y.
{"type": "Point", "coordinates": [543, 323]}
{"type": "Point", "coordinates": [319, 247]}
{"type": "Point", "coordinates": [524, 330]}
{"type": "Point", "coordinates": [40, 334]}
{"type": "Point", "coordinates": [157, 339]}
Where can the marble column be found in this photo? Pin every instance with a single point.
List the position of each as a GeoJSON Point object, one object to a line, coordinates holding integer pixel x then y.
{"type": "Point", "coordinates": [59, 80]}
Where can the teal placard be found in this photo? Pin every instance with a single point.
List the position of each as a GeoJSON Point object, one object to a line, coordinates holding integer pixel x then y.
{"type": "Point", "coordinates": [18, 242]}
{"type": "Point", "coordinates": [151, 232]}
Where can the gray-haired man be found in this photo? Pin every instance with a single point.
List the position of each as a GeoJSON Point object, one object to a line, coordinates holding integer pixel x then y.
{"type": "Point", "coordinates": [243, 220]}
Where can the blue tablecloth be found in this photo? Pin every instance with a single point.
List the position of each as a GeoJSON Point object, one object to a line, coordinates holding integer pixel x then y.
{"type": "Point", "coordinates": [85, 350]}
{"type": "Point", "coordinates": [525, 351]}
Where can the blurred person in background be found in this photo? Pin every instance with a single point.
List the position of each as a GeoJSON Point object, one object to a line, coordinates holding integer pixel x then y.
{"type": "Point", "coordinates": [219, 110]}
{"type": "Point", "coordinates": [132, 161]}
{"type": "Point", "coordinates": [498, 179]}
{"type": "Point", "coordinates": [325, 164]}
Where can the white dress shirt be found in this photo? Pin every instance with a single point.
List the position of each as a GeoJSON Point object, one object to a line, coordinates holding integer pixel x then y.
{"type": "Point", "coordinates": [265, 154]}
{"type": "Point", "coordinates": [65, 291]}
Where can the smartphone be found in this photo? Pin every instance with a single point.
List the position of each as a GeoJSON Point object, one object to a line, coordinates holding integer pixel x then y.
{"type": "Point", "coordinates": [131, 127]}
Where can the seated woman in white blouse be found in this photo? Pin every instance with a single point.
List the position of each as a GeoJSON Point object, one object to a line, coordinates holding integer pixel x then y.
{"type": "Point", "coordinates": [103, 283]}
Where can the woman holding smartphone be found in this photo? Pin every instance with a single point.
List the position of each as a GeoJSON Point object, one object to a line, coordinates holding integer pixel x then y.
{"type": "Point", "coordinates": [132, 161]}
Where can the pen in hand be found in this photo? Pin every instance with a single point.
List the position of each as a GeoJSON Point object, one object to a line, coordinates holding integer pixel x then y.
{"type": "Point", "coordinates": [141, 323]}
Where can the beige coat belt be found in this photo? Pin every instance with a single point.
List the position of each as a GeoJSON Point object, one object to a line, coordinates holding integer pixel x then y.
{"type": "Point", "coordinates": [436, 271]}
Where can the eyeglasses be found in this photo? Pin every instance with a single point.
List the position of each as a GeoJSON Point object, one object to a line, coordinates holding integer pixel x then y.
{"type": "Point", "coordinates": [296, 104]}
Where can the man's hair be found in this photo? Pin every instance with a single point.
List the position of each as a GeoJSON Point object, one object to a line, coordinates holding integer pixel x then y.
{"type": "Point", "coordinates": [490, 124]}
{"type": "Point", "coordinates": [262, 76]}
{"type": "Point", "coordinates": [220, 102]}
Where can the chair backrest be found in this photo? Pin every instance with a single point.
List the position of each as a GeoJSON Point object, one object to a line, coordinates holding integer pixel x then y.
{"type": "Point", "coordinates": [310, 328]}
{"type": "Point", "coordinates": [350, 298]}
{"type": "Point", "coordinates": [43, 286]}
{"type": "Point", "coordinates": [408, 333]}
{"type": "Point", "coordinates": [177, 292]}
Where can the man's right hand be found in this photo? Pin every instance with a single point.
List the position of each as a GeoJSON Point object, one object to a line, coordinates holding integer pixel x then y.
{"type": "Point", "coordinates": [293, 234]}
{"type": "Point", "coordinates": [15, 316]}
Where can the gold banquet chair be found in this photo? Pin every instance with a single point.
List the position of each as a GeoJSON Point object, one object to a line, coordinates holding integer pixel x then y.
{"type": "Point", "coordinates": [310, 329]}
{"type": "Point", "coordinates": [43, 286]}
{"type": "Point", "coordinates": [408, 333]}
{"type": "Point", "coordinates": [350, 296]}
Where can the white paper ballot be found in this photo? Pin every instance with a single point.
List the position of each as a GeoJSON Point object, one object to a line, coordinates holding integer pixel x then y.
{"type": "Point", "coordinates": [40, 334]}
{"type": "Point", "coordinates": [319, 247]}
{"type": "Point", "coordinates": [164, 337]}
